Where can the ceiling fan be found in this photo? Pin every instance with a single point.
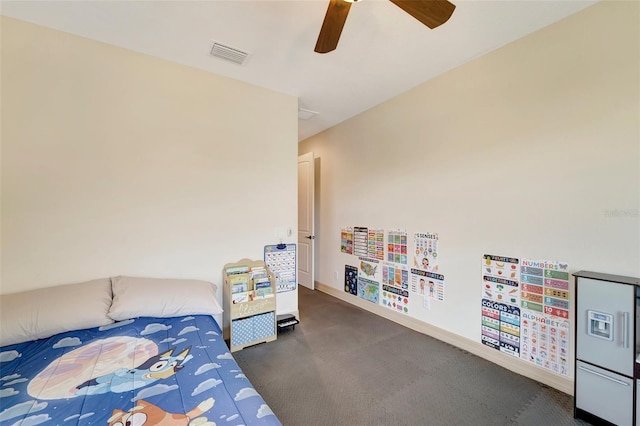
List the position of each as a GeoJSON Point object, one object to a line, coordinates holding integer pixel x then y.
{"type": "Point", "coordinates": [431, 13]}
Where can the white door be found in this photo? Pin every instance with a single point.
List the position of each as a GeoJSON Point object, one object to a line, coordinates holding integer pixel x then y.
{"type": "Point", "coordinates": [305, 219]}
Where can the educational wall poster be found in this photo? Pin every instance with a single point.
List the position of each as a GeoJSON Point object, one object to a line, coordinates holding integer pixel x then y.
{"type": "Point", "coordinates": [501, 327]}
{"type": "Point", "coordinates": [501, 279]}
{"type": "Point", "coordinates": [369, 280]}
{"type": "Point", "coordinates": [281, 260]}
{"type": "Point", "coordinates": [376, 244]}
{"type": "Point", "coordinates": [395, 287]}
{"type": "Point", "coordinates": [425, 255]}
{"type": "Point", "coordinates": [397, 247]}
{"type": "Point", "coordinates": [545, 314]}
{"type": "Point", "coordinates": [346, 240]}
{"type": "Point", "coordinates": [360, 241]}
{"type": "Point", "coordinates": [428, 284]}
{"type": "Point", "coordinates": [545, 341]}
{"type": "Point", "coordinates": [501, 303]}
{"type": "Point", "coordinates": [545, 287]}
{"type": "Point", "coordinates": [351, 279]}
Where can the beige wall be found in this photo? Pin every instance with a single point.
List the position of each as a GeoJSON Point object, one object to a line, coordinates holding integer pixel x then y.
{"type": "Point", "coordinates": [532, 151]}
{"type": "Point", "coordinates": [115, 163]}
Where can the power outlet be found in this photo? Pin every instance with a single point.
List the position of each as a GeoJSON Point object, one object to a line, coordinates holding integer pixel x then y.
{"type": "Point", "coordinates": [335, 276]}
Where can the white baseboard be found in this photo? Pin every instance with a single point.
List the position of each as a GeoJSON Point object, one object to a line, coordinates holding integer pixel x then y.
{"type": "Point", "coordinates": [516, 365]}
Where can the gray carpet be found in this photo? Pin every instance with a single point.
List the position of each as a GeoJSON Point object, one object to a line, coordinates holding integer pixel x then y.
{"type": "Point", "coordinates": [343, 365]}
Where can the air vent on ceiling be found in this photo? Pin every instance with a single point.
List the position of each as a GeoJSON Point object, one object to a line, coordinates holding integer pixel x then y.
{"type": "Point", "coordinates": [220, 50]}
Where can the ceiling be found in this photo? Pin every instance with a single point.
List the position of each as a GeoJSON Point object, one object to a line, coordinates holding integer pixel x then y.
{"type": "Point", "coordinates": [383, 51]}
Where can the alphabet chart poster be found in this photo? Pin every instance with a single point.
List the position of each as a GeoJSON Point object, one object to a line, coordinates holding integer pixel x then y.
{"type": "Point", "coordinates": [346, 240]}
{"type": "Point", "coordinates": [545, 341]}
{"type": "Point", "coordinates": [395, 288]}
{"type": "Point", "coordinates": [425, 255]}
{"type": "Point", "coordinates": [376, 244]}
{"type": "Point", "coordinates": [397, 247]}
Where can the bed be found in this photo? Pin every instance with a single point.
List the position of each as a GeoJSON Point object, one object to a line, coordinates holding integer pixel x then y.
{"type": "Point", "coordinates": [154, 356]}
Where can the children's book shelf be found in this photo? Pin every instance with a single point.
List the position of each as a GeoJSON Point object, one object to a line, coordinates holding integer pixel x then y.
{"type": "Point", "coordinates": [249, 304]}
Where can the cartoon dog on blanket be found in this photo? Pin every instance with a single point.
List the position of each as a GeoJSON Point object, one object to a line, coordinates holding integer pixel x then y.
{"type": "Point", "coordinates": [157, 367]}
{"type": "Point", "coordinates": [145, 413]}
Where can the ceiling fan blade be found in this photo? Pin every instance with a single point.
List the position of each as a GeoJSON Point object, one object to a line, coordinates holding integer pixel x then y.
{"type": "Point", "coordinates": [431, 13]}
{"type": "Point", "coordinates": [332, 26]}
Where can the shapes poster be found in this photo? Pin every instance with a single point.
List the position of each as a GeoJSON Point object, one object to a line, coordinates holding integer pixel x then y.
{"type": "Point", "coordinates": [360, 241]}
{"type": "Point", "coordinates": [545, 341]}
{"type": "Point", "coordinates": [428, 284]}
{"type": "Point", "coordinates": [500, 303]}
{"type": "Point", "coordinates": [395, 288]}
{"type": "Point", "coordinates": [545, 312]}
{"type": "Point", "coordinates": [376, 244]}
{"type": "Point", "coordinates": [346, 240]}
{"type": "Point", "coordinates": [397, 247]}
{"type": "Point", "coordinates": [351, 279]}
{"type": "Point", "coordinates": [369, 280]}
{"type": "Point", "coordinates": [425, 255]}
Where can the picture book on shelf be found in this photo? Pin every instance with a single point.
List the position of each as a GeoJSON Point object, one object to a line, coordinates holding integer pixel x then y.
{"type": "Point", "coordinates": [243, 297]}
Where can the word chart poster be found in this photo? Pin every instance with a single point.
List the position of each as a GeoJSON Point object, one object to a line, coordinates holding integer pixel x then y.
{"type": "Point", "coordinates": [346, 240]}
{"type": "Point", "coordinates": [360, 241]}
{"type": "Point", "coordinates": [501, 303]}
{"type": "Point", "coordinates": [397, 247]}
{"type": "Point", "coordinates": [369, 279]}
{"type": "Point", "coordinates": [545, 312]}
{"type": "Point", "coordinates": [376, 244]}
{"type": "Point", "coordinates": [425, 255]}
{"type": "Point", "coordinates": [395, 287]}
{"type": "Point", "coordinates": [282, 262]}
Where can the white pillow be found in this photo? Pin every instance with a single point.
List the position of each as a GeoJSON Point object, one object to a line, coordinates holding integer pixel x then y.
{"type": "Point", "coordinates": [43, 312]}
{"type": "Point", "coordinates": [157, 297]}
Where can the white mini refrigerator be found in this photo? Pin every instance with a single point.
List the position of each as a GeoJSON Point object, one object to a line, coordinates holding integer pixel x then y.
{"type": "Point", "coordinates": [605, 391]}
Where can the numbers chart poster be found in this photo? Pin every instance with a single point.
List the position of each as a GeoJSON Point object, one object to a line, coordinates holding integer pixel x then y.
{"type": "Point", "coordinates": [395, 287]}
{"type": "Point", "coordinates": [360, 241]}
{"type": "Point", "coordinates": [545, 314]}
{"type": "Point", "coordinates": [376, 244]}
{"type": "Point", "coordinates": [397, 247]}
{"type": "Point", "coordinates": [500, 303]}
{"type": "Point", "coordinates": [369, 280]}
{"type": "Point", "coordinates": [425, 255]}
{"type": "Point", "coordinates": [346, 240]}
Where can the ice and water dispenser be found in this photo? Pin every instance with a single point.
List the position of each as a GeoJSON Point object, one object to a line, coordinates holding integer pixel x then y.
{"type": "Point", "coordinates": [600, 325]}
{"type": "Point", "coordinates": [607, 332]}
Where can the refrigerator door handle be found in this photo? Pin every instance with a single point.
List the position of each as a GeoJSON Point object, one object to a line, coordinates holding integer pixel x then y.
{"type": "Point", "coordinates": [604, 376]}
{"type": "Point", "coordinates": [625, 330]}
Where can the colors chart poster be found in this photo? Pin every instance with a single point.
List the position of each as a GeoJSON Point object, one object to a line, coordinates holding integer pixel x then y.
{"type": "Point", "coordinates": [501, 303]}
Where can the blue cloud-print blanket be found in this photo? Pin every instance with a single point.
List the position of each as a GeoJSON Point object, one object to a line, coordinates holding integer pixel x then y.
{"type": "Point", "coordinates": [147, 371]}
